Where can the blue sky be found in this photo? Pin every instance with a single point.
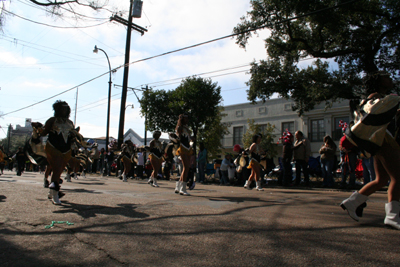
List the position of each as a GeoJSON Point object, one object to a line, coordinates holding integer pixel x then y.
{"type": "Point", "coordinates": [37, 61]}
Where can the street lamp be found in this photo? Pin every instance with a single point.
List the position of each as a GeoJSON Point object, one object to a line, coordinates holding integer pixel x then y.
{"type": "Point", "coordinates": [129, 106]}
{"type": "Point", "coordinates": [96, 49]}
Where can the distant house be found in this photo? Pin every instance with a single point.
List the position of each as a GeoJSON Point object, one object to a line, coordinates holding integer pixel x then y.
{"type": "Point", "coordinates": [21, 130]}
{"type": "Point", "coordinates": [315, 124]}
{"type": "Point", "coordinates": [129, 135]}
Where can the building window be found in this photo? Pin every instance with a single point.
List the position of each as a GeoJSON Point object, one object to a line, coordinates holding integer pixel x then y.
{"type": "Point", "coordinates": [239, 113]}
{"type": "Point", "coordinates": [337, 131]}
{"type": "Point", "coordinates": [288, 107]}
{"type": "Point", "coordinates": [238, 135]}
{"type": "Point", "coordinates": [288, 126]}
{"type": "Point", "coordinates": [262, 110]}
{"type": "Point", "coordinates": [317, 131]}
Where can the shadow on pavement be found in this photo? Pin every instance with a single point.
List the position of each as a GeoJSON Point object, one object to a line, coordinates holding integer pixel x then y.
{"type": "Point", "coordinates": [89, 211]}
{"type": "Point", "coordinates": [2, 198]}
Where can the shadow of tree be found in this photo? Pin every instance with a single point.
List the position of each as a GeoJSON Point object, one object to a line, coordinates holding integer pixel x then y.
{"type": "Point", "coordinates": [89, 211]}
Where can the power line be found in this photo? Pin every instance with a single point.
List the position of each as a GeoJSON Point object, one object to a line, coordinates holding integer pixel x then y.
{"type": "Point", "coordinates": [184, 48]}
{"type": "Point", "coordinates": [45, 10]}
{"type": "Point", "coordinates": [54, 26]}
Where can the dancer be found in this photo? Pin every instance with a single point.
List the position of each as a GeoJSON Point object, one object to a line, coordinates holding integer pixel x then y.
{"type": "Point", "coordinates": [254, 164]}
{"type": "Point", "coordinates": [184, 151]}
{"type": "Point", "coordinates": [374, 135]}
{"type": "Point", "coordinates": [156, 157]}
{"type": "Point", "coordinates": [128, 150]}
{"type": "Point", "coordinates": [58, 147]}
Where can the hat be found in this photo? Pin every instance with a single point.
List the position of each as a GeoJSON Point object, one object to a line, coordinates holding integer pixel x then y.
{"type": "Point", "coordinates": [237, 148]}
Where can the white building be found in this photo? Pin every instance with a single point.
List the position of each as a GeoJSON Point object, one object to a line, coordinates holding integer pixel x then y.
{"type": "Point", "coordinates": [314, 124]}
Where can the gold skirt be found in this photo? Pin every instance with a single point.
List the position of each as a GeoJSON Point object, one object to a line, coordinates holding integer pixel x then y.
{"type": "Point", "coordinates": [52, 152]}
{"type": "Point", "coordinates": [253, 163]}
{"type": "Point", "coordinates": [184, 151]}
{"type": "Point", "coordinates": [154, 157]}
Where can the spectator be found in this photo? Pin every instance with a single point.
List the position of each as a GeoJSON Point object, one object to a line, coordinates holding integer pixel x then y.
{"type": "Point", "coordinates": [109, 159]}
{"type": "Point", "coordinates": [139, 166]}
{"type": "Point", "coordinates": [348, 154]}
{"type": "Point", "coordinates": [94, 154]}
{"type": "Point", "coordinates": [225, 164]}
{"type": "Point", "coordinates": [201, 162]}
{"type": "Point", "coordinates": [328, 151]}
{"type": "Point", "coordinates": [102, 159]}
{"type": "Point", "coordinates": [287, 156]}
{"type": "Point", "coordinates": [302, 153]}
{"type": "Point", "coordinates": [368, 169]}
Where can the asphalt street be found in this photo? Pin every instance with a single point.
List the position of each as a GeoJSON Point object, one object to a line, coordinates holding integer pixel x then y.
{"type": "Point", "coordinates": [111, 223]}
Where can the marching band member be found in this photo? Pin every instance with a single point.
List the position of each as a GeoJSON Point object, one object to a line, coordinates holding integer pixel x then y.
{"type": "Point", "coordinates": [156, 157]}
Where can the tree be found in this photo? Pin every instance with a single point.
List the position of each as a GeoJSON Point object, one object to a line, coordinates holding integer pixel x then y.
{"type": "Point", "coordinates": [58, 8]}
{"type": "Point", "coordinates": [267, 141]}
{"type": "Point", "coordinates": [15, 143]}
{"type": "Point", "coordinates": [360, 36]}
{"type": "Point", "coordinates": [199, 98]}
{"type": "Point", "coordinates": [212, 135]}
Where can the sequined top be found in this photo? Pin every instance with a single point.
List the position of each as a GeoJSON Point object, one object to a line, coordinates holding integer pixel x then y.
{"type": "Point", "coordinates": [59, 135]}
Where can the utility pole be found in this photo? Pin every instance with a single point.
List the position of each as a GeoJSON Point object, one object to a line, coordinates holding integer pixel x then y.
{"type": "Point", "coordinates": [134, 11]}
{"type": "Point", "coordinates": [76, 105]}
{"type": "Point", "coordinates": [9, 138]}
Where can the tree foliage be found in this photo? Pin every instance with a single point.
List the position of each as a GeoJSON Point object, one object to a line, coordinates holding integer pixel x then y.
{"type": "Point", "coordinates": [199, 98]}
{"type": "Point", "coordinates": [15, 143]}
{"type": "Point", "coordinates": [212, 135]}
{"type": "Point", "coordinates": [267, 141]}
{"type": "Point", "coordinates": [360, 36]}
{"type": "Point", "coordinates": [58, 8]}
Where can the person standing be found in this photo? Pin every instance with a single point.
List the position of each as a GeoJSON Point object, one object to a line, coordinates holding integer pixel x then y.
{"type": "Point", "coordinates": [225, 165]}
{"type": "Point", "coordinates": [255, 152]}
{"type": "Point", "coordinates": [94, 154]}
{"type": "Point", "coordinates": [368, 170]}
{"type": "Point", "coordinates": [201, 162]}
{"type": "Point", "coordinates": [102, 162]}
{"type": "Point", "coordinates": [301, 155]}
{"type": "Point", "coordinates": [139, 166]}
{"type": "Point", "coordinates": [328, 152]}
{"type": "Point", "coordinates": [287, 155]}
{"type": "Point", "coordinates": [377, 137]}
{"type": "Point", "coordinates": [348, 153]}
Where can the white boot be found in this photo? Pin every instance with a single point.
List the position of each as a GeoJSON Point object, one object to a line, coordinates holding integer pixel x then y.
{"type": "Point", "coordinates": [352, 203]}
{"type": "Point", "coordinates": [83, 174]}
{"type": "Point", "coordinates": [178, 187]}
{"type": "Point", "coordinates": [392, 214]}
{"type": "Point", "coordinates": [68, 177]}
{"type": "Point", "coordinates": [259, 188]}
{"type": "Point", "coordinates": [124, 178]}
{"type": "Point", "coordinates": [150, 180]}
{"type": "Point", "coordinates": [183, 189]}
{"type": "Point", "coordinates": [75, 176]}
{"type": "Point", "coordinates": [155, 182]}
{"type": "Point", "coordinates": [247, 185]}
{"type": "Point", "coordinates": [54, 197]}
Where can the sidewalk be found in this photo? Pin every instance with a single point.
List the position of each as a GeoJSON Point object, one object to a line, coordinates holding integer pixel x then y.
{"type": "Point", "coordinates": [134, 224]}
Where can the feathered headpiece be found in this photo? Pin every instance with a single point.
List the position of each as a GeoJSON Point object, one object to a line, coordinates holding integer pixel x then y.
{"type": "Point", "coordinates": [343, 125]}
{"type": "Point", "coordinates": [286, 136]}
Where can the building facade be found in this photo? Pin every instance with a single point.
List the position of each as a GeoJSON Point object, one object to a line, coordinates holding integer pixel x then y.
{"type": "Point", "coordinates": [314, 124]}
